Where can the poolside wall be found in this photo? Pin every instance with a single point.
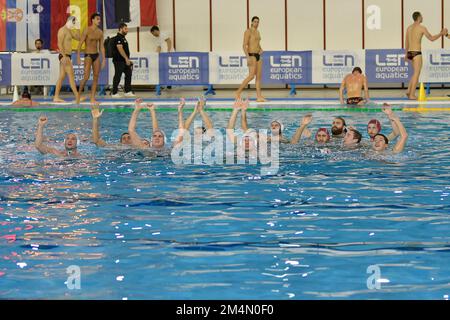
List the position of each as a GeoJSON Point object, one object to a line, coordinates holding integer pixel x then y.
{"type": "Point", "coordinates": [218, 25]}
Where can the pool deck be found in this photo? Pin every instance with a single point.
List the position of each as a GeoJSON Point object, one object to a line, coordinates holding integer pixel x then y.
{"type": "Point", "coordinates": [278, 98]}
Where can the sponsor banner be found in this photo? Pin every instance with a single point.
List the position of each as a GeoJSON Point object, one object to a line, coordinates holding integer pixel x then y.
{"type": "Point", "coordinates": [330, 67]}
{"type": "Point", "coordinates": [5, 69]}
{"type": "Point", "coordinates": [227, 68]}
{"type": "Point", "coordinates": [387, 66]}
{"type": "Point", "coordinates": [287, 67]}
{"type": "Point", "coordinates": [34, 69]}
{"type": "Point", "coordinates": [184, 68]}
{"type": "Point", "coordinates": [145, 69]}
{"type": "Point", "coordinates": [436, 66]}
{"type": "Point", "coordinates": [78, 71]}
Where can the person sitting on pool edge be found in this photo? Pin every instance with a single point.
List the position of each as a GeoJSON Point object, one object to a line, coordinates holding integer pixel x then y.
{"type": "Point", "coordinates": [374, 128]}
{"type": "Point", "coordinates": [381, 142]}
{"type": "Point", "coordinates": [25, 101]}
{"type": "Point", "coordinates": [338, 128]}
{"type": "Point", "coordinates": [354, 83]}
{"type": "Point", "coordinates": [70, 142]}
{"type": "Point", "coordinates": [352, 138]}
{"type": "Point", "coordinates": [157, 142]}
{"type": "Point", "coordinates": [125, 139]}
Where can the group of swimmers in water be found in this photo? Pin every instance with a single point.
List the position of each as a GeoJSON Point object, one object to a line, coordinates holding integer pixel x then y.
{"type": "Point", "coordinates": [346, 136]}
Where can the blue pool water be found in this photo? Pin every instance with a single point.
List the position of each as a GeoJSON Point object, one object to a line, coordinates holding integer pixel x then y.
{"type": "Point", "coordinates": [143, 228]}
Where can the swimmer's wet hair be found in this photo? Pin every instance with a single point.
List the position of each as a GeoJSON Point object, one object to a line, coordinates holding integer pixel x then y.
{"type": "Point", "coordinates": [386, 140]}
{"type": "Point", "coordinates": [356, 134]}
{"type": "Point", "coordinates": [357, 69]}
{"type": "Point", "coordinates": [416, 15]}
{"type": "Point", "coordinates": [343, 120]}
{"type": "Point", "coordinates": [123, 134]}
{"type": "Point", "coordinates": [254, 18]}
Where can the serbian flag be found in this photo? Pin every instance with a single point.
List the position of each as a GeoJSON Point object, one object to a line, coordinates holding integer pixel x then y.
{"type": "Point", "coordinates": [13, 25]}
{"type": "Point", "coordinates": [46, 17]}
{"type": "Point", "coordinates": [135, 13]}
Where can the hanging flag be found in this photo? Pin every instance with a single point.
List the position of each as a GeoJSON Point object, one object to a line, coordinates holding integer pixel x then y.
{"type": "Point", "coordinates": [135, 13]}
{"type": "Point", "coordinates": [13, 25]}
{"type": "Point", "coordinates": [46, 17]}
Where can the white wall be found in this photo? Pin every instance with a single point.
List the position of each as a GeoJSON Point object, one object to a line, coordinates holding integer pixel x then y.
{"type": "Point", "coordinates": [389, 36]}
{"type": "Point", "coordinates": [305, 24]}
{"type": "Point", "coordinates": [344, 25]}
{"type": "Point", "coordinates": [229, 22]}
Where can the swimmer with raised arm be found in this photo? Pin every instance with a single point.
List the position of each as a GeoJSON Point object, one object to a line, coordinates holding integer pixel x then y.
{"type": "Point", "coordinates": [125, 139]}
{"type": "Point", "coordinates": [381, 142]}
{"type": "Point", "coordinates": [70, 142]}
{"type": "Point", "coordinates": [250, 136]}
{"type": "Point", "coordinates": [374, 128]}
{"type": "Point", "coordinates": [158, 142]}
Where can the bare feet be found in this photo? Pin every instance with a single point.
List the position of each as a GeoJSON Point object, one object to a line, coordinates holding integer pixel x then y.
{"type": "Point", "coordinates": [83, 98]}
{"type": "Point", "coordinates": [58, 100]}
{"type": "Point", "coordinates": [77, 99]}
{"type": "Point", "coordinates": [237, 96]}
{"type": "Point", "coordinates": [93, 101]}
{"type": "Point", "coordinates": [261, 99]}
{"type": "Point", "coordinates": [412, 97]}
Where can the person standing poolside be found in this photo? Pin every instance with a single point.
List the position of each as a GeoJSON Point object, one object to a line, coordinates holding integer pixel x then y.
{"type": "Point", "coordinates": [65, 36]}
{"type": "Point", "coordinates": [70, 142]}
{"type": "Point", "coordinates": [354, 83]}
{"type": "Point", "coordinates": [93, 37]}
{"type": "Point", "coordinates": [413, 46]}
{"type": "Point", "coordinates": [161, 40]}
{"type": "Point", "coordinates": [253, 51]}
{"type": "Point", "coordinates": [122, 63]}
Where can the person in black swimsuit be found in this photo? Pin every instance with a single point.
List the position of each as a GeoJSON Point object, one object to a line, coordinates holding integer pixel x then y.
{"type": "Point", "coordinates": [93, 38]}
{"type": "Point", "coordinates": [253, 51]}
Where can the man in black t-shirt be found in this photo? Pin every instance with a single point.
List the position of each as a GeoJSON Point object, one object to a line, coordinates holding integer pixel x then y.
{"type": "Point", "coordinates": [122, 63]}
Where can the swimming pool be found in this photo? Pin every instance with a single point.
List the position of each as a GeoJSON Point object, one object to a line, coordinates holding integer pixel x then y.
{"type": "Point", "coordinates": [142, 228]}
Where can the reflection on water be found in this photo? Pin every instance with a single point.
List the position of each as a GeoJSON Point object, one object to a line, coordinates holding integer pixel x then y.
{"type": "Point", "coordinates": [143, 228]}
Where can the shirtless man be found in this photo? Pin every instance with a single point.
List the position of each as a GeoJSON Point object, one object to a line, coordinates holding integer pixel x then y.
{"type": "Point", "coordinates": [354, 84]}
{"type": "Point", "coordinates": [93, 36]}
{"type": "Point", "coordinates": [65, 36]}
{"type": "Point", "coordinates": [253, 51]}
{"type": "Point", "coordinates": [70, 142]}
{"type": "Point", "coordinates": [413, 46]}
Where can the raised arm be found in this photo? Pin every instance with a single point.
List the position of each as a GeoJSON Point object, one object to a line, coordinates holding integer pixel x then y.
{"type": "Point", "coordinates": [206, 119]}
{"type": "Point", "coordinates": [244, 122]}
{"type": "Point", "coordinates": [298, 134]}
{"type": "Point", "coordinates": [181, 124]}
{"type": "Point", "coordinates": [80, 44]}
{"type": "Point", "coordinates": [96, 115]}
{"type": "Point", "coordinates": [39, 142]}
{"type": "Point", "coordinates": [400, 145]}
{"type": "Point", "coordinates": [155, 124]}
{"type": "Point", "coordinates": [191, 118]}
{"type": "Point", "coordinates": [395, 131]}
{"type": "Point", "coordinates": [341, 91]}
{"type": "Point", "coordinates": [232, 121]}
{"type": "Point", "coordinates": [435, 37]}
{"type": "Point", "coordinates": [134, 137]}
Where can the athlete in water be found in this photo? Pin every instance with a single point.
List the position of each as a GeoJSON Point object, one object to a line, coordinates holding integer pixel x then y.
{"type": "Point", "coordinates": [381, 142]}
{"type": "Point", "coordinates": [70, 142]}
